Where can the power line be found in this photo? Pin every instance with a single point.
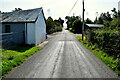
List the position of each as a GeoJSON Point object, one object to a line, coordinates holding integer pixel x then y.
{"type": "Point", "coordinates": [73, 7]}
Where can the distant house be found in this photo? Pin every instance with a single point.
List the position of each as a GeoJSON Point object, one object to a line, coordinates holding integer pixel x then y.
{"type": "Point", "coordinates": [94, 26]}
{"type": "Point", "coordinates": [23, 27]}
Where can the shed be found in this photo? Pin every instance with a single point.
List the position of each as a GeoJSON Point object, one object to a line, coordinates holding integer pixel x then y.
{"type": "Point", "coordinates": [94, 26]}
{"type": "Point", "coordinates": [24, 27]}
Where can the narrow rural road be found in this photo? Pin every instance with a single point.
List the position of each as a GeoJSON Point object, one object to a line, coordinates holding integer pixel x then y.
{"type": "Point", "coordinates": [63, 57]}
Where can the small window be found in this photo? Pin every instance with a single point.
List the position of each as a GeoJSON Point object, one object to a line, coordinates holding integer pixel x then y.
{"type": "Point", "coordinates": [7, 28]}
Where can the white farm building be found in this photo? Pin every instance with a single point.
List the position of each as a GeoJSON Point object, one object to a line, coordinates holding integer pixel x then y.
{"type": "Point", "coordinates": [29, 25]}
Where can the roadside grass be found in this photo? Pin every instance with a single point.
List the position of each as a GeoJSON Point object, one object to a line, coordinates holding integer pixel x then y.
{"type": "Point", "coordinates": [110, 61]}
{"type": "Point", "coordinates": [15, 56]}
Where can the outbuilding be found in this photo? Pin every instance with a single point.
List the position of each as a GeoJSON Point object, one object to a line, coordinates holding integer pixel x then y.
{"type": "Point", "coordinates": [94, 26]}
{"type": "Point", "coordinates": [23, 27]}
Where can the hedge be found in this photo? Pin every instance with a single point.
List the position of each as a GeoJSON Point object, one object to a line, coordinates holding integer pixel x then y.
{"type": "Point", "coordinates": [106, 40]}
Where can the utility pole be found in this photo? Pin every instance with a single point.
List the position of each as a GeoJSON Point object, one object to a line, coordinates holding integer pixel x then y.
{"type": "Point", "coordinates": [83, 23]}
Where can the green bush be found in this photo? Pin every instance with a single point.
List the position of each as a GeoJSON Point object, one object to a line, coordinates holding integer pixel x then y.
{"type": "Point", "coordinates": [77, 26]}
{"type": "Point", "coordinates": [59, 28]}
{"type": "Point", "coordinates": [106, 40]}
{"type": "Point", "coordinates": [90, 36]}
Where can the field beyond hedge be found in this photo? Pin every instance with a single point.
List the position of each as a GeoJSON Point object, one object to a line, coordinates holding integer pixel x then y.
{"type": "Point", "coordinates": [15, 56]}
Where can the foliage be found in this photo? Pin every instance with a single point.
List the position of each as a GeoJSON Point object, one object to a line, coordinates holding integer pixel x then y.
{"type": "Point", "coordinates": [74, 23]}
{"type": "Point", "coordinates": [103, 17]}
{"type": "Point", "coordinates": [109, 20]}
{"type": "Point", "coordinates": [58, 24]}
{"type": "Point", "coordinates": [70, 29]}
{"type": "Point", "coordinates": [70, 20]}
{"type": "Point", "coordinates": [61, 21]}
{"type": "Point", "coordinates": [107, 40]}
{"type": "Point", "coordinates": [113, 63]}
{"type": "Point", "coordinates": [88, 21]}
{"type": "Point", "coordinates": [54, 25]}
{"type": "Point", "coordinates": [17, 9]}
{"type": "Point", "coordinates": [50, 25]}
{"type": "Point", "coordinates": [115, 14]}
{"type": "Point", "coordinates": [77, 26]}
{"type": "Point", "coordinates": [59, 28]}
{"type": "Point", "coordinates": [14, 57]}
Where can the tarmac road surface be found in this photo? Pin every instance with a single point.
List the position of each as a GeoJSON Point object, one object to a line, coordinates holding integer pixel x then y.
{"type": "Point", "coordinates": [63, 57]}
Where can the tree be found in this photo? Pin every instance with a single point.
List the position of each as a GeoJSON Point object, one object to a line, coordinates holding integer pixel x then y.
{"type": "Point", "coordinates": [54, 25]}
{"type": "Point", "coordinates": [108, 17]}
{"type": "Point", "coordinates": [103, 17]}
{"type": "Point", "coordinates": [111, 21]}
{"type": "Point", "coordinates": [88, 21]}
{"type": "Point", "coordinates": [17, 9]}
{"type": "Point", "coordinates": [70, 20]}
{"type": "Point", "coordinates": [61, 21]}
{"type": "Point", "coordinates": [58, 25]}
{"type": "Point", "coordinates": [50, 25]}
{"type": "Point", "coordinates": [100, 20]}
{"type": "Point", "coordinates": [95, 21]}
{"type": "Point", "coordinates": [57, 22]}
{"type": "Point", "coordinates": [114, 12]}
{"type": "Point", "coordinates": [77, 26]}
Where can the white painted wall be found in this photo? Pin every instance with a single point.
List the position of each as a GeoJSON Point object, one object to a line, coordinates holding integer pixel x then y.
{"type": "Point", "coordinates": [36, 32]}
{"type": "Point", "coordinates": [40, 29]}
{"type": "Point", "coordinates": [30, 33]}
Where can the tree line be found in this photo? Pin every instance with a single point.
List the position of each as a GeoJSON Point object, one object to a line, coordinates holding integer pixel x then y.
{"type": "Point", "coordinates": [109, 20]}
{"type": "Point", "coordinates": [112, 21]}
{"type": "Point", "coordinates": [74, 23]}
{"type": "Point", "coordinates": [54, 25]}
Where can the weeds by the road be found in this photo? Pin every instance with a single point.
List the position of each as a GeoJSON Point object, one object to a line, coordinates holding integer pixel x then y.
{"type": "Point", "coordinates": [113, 63]}
{"type": "Point", "coordinates": [15, 56]}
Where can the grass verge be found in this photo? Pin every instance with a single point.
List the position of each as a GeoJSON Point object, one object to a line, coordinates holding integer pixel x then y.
{"type": "Point", "coordinates": [15, 56]}
{"type": "Point", "coordinates": [110, 61]}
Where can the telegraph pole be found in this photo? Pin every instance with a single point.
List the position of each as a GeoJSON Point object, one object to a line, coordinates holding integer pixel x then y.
{"type": "Point", "coordinates": [83, 23]}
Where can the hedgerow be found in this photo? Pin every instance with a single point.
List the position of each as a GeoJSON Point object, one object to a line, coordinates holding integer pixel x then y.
{"type": "Point", "coordinates": [110, 61]}
{"type": "Point", "coordinates": [106, 40]}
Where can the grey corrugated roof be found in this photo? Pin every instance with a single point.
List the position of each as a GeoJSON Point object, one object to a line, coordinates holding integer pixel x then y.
{"type": "Point", "coordinates": [95, 25]}
{"type": "Point", "coordinates": [21, 16]}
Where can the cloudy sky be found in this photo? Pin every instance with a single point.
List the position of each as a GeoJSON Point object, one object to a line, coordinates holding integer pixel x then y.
{"type": "Point", "coordinates": [61, 8]}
